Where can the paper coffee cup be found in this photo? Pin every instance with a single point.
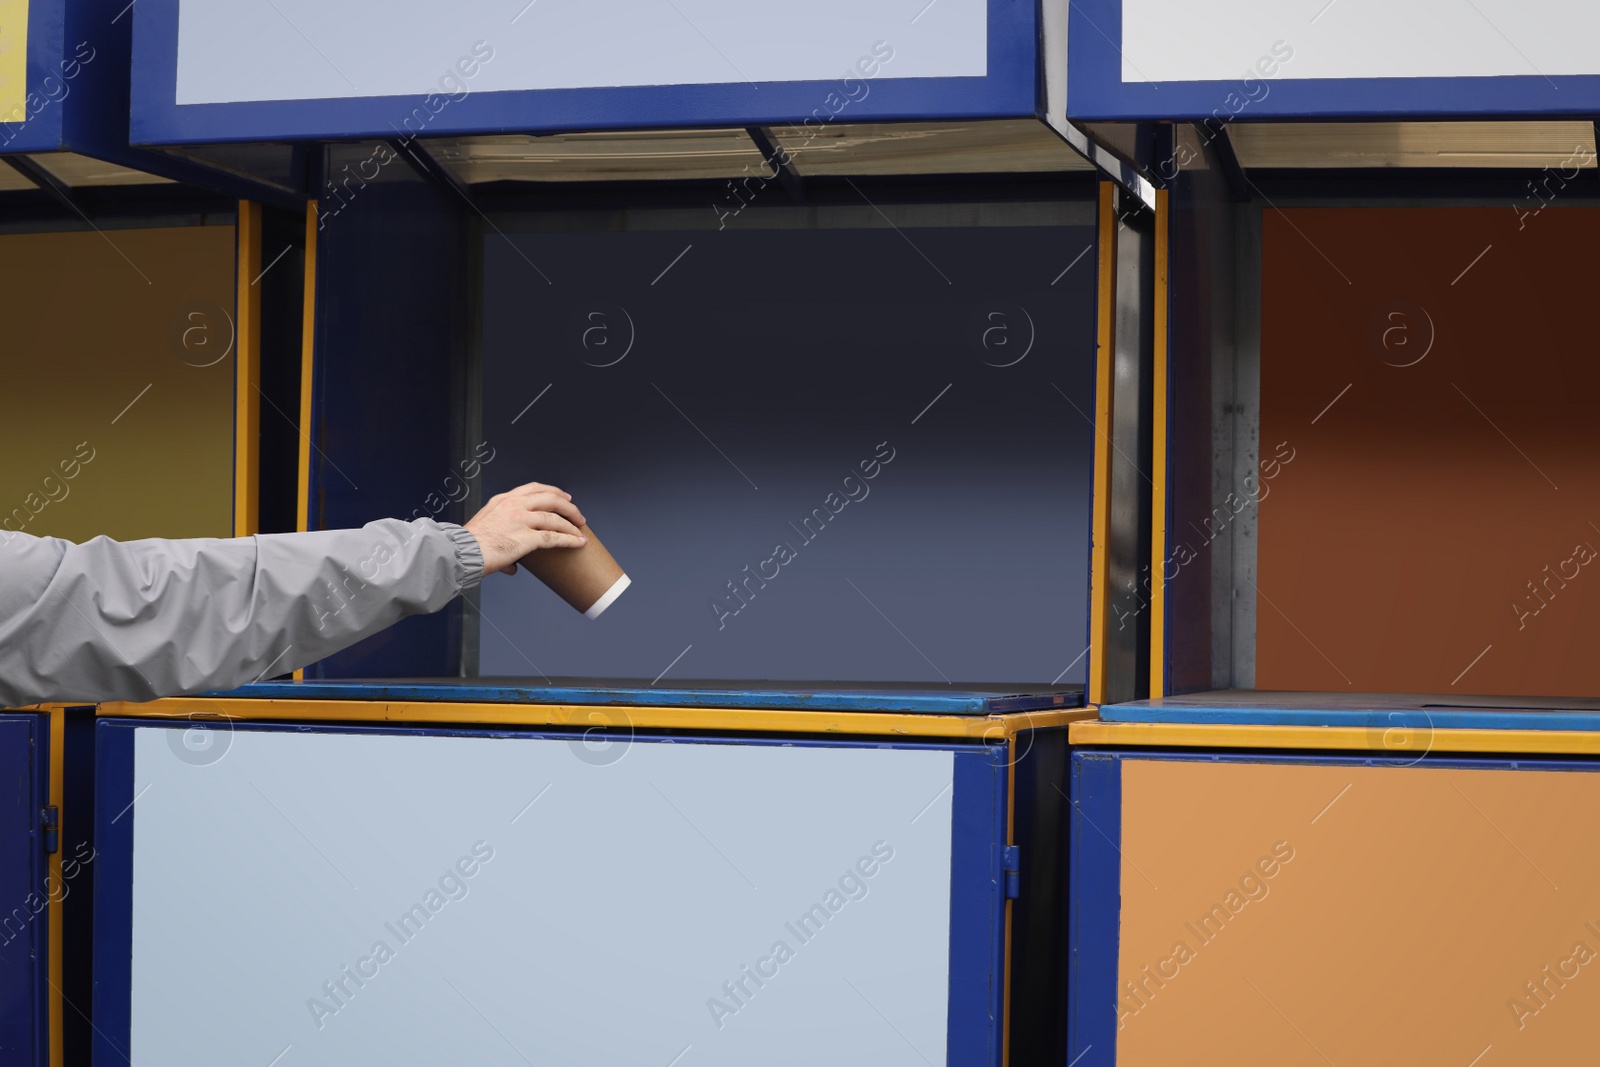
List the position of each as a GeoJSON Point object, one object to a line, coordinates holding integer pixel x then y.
{"type": "Point", "coordinates": [587, 578]}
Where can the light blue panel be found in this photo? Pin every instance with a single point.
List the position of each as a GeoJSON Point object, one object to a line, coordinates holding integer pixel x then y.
{"type": "Point", "coordinates": [1241, 60]}
{"type": "Point", "coordinates": [307, 50]}
{"type": "Point", "coordinates": [626, 886]}
{"type": "Point", "coordinates": [209, 71]}
{"type": "Point", "coordinates": [1221, 40]}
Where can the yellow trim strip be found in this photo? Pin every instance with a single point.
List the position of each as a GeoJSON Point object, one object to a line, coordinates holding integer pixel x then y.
{"type": "Point", "coordinates": [53, 970]}
{"type": "Point", "coordinates": [744, 720]}
{"type": "Point", "coordinates": [247, 375]}
{"type": "Point", "coordinates": [308, 336]}
{"type": "Point", "coordinates": [1348, 738]}
{"type": "Point", "coordinates": [1105, 337]}
{"type": "Point", "coordinates": [308, 308]}
{"type": "Point", "coordinates": [1158, 462]}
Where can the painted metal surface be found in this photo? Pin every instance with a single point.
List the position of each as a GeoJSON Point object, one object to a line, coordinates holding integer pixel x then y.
{"type": "Point", "coordinates": [1036, 933]}
{"type": "Point", "coordinates": [608, 724]}
{"type": "Point", "coordinates": [39, 126]}
{"type": "Point", "coordinates": [76, 92]}
{"type": "Point", "coordinates": [1368, 711]}
{"type": "Point", "coordinates": [1097, 90]}
{"type": "Point", "coordinates": [1345, 819]}
{"type": "Point", "coordinates": [247, 375]}
{"type": "Point", "coordinates": [1099, 551]}
{"type": "Point", "coordinates": [1008, 89]}
{"type": "Point", "coordinates": [1094, 894]}
{"type": "Point", "coordinates": [1197, 563]}
{"type": "Point", "coordinates": [976, 795]}
{"type": "Point", "coordinates": [308, 337]}
{"type": "Point", "coordinates": [851, 696]}
{"type": "Point", "coordinates": [1124, 650]}
{"type": "Point", "coordinates": [25, 936]}
{"type": "Point", "coordinates": [390, 330]}
{"type": "Point", "coordinates": [1406, 739]}
{"type": "Point", "coordinates": [1158, 453]}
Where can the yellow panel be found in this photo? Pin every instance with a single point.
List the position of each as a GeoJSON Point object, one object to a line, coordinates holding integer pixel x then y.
{"type": "Point", "coordinates": [993, 728]}
{"type": "Point", "coordinates": [1300, 914]}
{"type": "Point", "coordinates": [119, 382]}
{"type": "Point", "coordinates": [13, 60]}
{"type": "Point", "coordinates": [1399, 744]}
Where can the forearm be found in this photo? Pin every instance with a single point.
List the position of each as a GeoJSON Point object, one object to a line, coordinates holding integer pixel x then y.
{"type": "Point", "coordinates": [135, 620]}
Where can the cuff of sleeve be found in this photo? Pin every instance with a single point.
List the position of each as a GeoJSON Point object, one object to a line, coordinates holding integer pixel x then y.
{"type": "Point", "coordinates": [469, 555]}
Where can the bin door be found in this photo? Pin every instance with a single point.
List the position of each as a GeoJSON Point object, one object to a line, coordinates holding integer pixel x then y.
{"type": "Point", "coordinates": [23, 917]}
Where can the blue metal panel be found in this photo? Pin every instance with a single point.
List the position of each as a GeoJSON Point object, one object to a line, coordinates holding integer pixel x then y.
{"type": "Point", "coordinates": [95, 113]}
{"type": "Point", "coordinates": [846, 697]}
{"type": "Point", "coordinates": [977, 908]}
{"type": "Point", "coordinates": [1096, 91]}
{"type": "Point", "coordinates": [977, 902]}
{"type": "Point", "coordinates": [24, 925]}
{"type": "Point", "coordinates": [1010, 89]}
{"type": "Point", "coordinates": [112, 1008]}
{"type": "Point", "coordinates": [1379, 711]}
{"type": "Point", "coordinates": [1036, 1031]}
{"type": "Point", "coordinates": [76, 894]}
{"type": "Point", "coordinates": [78, 79]}
{"type": "Point", "coordinates": [390, 337]}
{"type": "Point", "coordinates": [46, 36]}
{"type": "Point", "coordinates": [1094, 908]}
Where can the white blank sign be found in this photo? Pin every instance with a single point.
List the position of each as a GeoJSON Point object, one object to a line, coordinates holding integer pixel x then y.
{"type": "Point", "coordinates": [539, 902]}
{"type": "Point", "coordinates": [310, 50]}
{"type": "Point", "coordinates": [1222, 40]}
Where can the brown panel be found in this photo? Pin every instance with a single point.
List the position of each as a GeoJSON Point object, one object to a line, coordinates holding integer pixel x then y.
{"type": "Point", "coordinates": [1404, 548]}
{"type": "Point", "coordinates": [90, 321]}
{"type": "Point", "coordinates": [1414, 907]}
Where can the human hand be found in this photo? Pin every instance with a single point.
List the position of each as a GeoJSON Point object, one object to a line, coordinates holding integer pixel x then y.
{"type": "Point", "coordinates": [523, 520]}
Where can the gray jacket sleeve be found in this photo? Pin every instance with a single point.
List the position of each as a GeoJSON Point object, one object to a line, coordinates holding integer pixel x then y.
{"type": "Point", "coordinates": [135, 620]}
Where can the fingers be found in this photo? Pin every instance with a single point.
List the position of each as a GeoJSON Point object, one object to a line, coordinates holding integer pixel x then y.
{"type": "Point", "coordinates": [537, 488]}
{"type": "Point", "coordinates": [536, 496]}
{"type": "Point", "coordinates": [546, 520]}
{"type": "Point", "coordinates": [550, 502]}
{"type": "Point", "coordinates": [523, 520]}
{"type": "Point", "coordinates": [556, 539]}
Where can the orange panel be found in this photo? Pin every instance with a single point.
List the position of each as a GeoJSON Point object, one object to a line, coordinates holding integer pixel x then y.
{"type": "Point", "coordinates": [1431, 373]}
{"type": "Point", "coordinates": [1280, 915]}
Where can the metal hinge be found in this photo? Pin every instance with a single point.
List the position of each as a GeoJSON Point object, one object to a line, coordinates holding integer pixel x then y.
{"type": "Point", "coordinates": [1011, 864]}
{"type": "Point", "coordinates": [50, 821]}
